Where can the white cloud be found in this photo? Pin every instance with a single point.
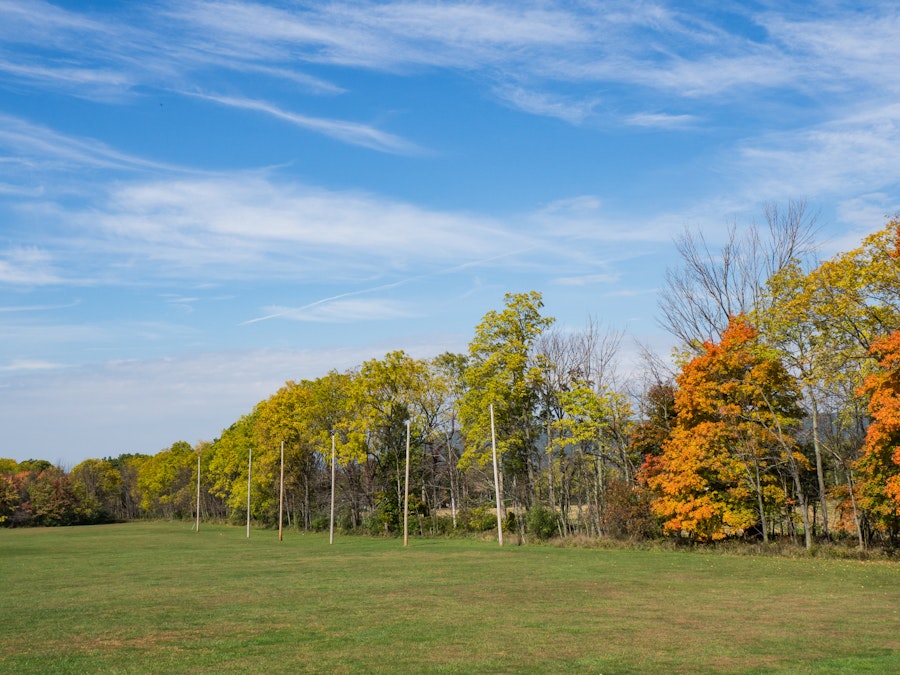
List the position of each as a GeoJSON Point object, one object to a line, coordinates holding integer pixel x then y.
{"type": "Point", "coordinates": [588, 279]}
{"type": "Point", "coordinates": [36, 308]}
{"type": "Point", "coordinates": [27, 266]}
{"type": "Point", "coordinates": [145, 406]}
{"type": "Point", "coordinates": [386, 35]}
{"type": "Point", "coordinates": [572, 110]}
{"type": "Point", "coordinates": [661, 120]}
{"type": "Point", "coordinates": [524, 51]}
{"type": "Point", "coordinates": [842, 48]}
{"type": "Point", "coordinates": [343, 311]}
{"type": "Point", "coordinates": [233, 225]}
{"type": "Point", "coordinates": [29, 365]}
{"type": "Point", "coordinates": [585, 217]}
{"type": "Point", "coordinates": [857, 152]}
{"type": "Point", "coordinates": [42, 148]}
{"type": "Point", "coordinates": [348, 132]}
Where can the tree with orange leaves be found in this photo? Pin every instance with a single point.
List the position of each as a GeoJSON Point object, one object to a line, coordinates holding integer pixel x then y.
{"type": "Point", "coordinates": [735, 405]}
{"type": "Point", "coordinates": [879, 466]}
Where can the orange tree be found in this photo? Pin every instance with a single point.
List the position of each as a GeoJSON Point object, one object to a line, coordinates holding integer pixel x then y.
{"type": "Point", "coordinates": [735, 404]}
{"type": "Point", "coordinates": [879, 466]}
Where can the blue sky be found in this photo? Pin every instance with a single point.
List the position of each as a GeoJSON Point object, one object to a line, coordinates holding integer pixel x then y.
{"type": "Point", "coordinates": [201, 200]}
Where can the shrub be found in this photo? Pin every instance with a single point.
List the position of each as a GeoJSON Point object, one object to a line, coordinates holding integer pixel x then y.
{"type": "Point", "coordinates": [320, 522]}
{"type": "Point", "coordinates": [479, 519]}
{"type": "Point", "coordinates": [626, 512]}
{"type": "Point", "coordinates": [541, 522]}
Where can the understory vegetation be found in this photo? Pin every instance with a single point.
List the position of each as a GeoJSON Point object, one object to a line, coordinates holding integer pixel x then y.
{"type": "Point", "coordinates": [780, 422]}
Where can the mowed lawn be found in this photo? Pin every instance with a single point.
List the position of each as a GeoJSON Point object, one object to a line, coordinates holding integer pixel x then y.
{"type": "Point", "coordinates": [158, 597]}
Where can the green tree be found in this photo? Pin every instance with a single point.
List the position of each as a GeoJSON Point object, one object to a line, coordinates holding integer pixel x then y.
{"type": "Point", "coordinates": [9, 498]}
{"type": "Point", "coordinates": [502, 373]}
{"type": "Point", "coordinates": [229, 455]}
{"type": "Point", "coordinates": [449, 384]}
{"type": "Point", "coordinates": [388, 393]}
{"type": "Point", "coordinates": [128, 466]}
{"type": "Point", "coordinates": [101, 484]}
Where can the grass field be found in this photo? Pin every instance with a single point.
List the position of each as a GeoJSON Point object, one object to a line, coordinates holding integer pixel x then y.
{"type": "Point", "coordinates": [158, 597]}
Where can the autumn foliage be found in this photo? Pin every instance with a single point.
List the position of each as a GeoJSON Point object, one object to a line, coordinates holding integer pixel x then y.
{"type": "Point", "coordinates": [785, 423]}
{"type": "Point", "coordinates": [714, 476]}
{"type": "Point", "coordinates": [879, 465]}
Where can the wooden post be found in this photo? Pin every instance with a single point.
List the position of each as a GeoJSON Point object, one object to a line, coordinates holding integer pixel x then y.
{"type": "Point", "coordinates": [406, 493]}
{"type": "Point", "coordinates": [331, 532]}
{"type": "Point", "coordinates": [249, 472]}
{"type": "Point", "coordinates": [198, 491]}
{"type": "Point", "coordinates": [281, 495]}
{"type": "Point", "coordinates": [496, 479]}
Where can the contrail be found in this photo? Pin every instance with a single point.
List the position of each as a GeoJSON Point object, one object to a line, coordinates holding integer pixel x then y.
{"type": "Point", "coordinates": [324, 300]}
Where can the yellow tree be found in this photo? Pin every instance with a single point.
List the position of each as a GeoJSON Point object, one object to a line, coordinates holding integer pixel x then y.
{"type": "Point", "coordinates": [385, 396]}
{"type": "Point", "coordinates": [330, 412]}
{"type": "Point", "coordinates": [292, 416]}
{"type": "Point", "coordinates": [165, 481]}
{"type": "Point", "coordinates": [824, 323]}
{"type": "Point", "coordinates": [228, 466]}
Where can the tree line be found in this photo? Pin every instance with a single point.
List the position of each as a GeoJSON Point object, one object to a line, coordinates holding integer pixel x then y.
{"type": "Point", "coordinates": [780, 419]}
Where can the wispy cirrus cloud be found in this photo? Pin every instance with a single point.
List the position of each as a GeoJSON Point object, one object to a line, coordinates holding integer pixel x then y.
{"type": "Point", "coordinates": [353, 133]}
{"type": "Point", "coordinates": [351, 310]}
{"type": "Point", "coordinates": [389, 35]}
{"type": "Point", "coordinates": [525, 53]}
{"type": "Point", "coordinates": [28, 266]}
{"type": "Point", "coordinates": [574, 110]}
{"type": "Point", "coordinates": [662, 120]}
{"type": "Point", "coordinates": [37, 308]}
{"type": "Point", "coordinates": [28, 366]}
{"type": "Point", "coordinates": [861, 149]}
{"type": "Point", "coordinates": [658, 45]}
{"type": "Point", "coordinates": [588, 279]}
{"type": "Point", "coordinates": [44, 149]}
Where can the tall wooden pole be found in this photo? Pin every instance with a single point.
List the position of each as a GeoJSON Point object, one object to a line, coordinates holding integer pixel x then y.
{"type": "Point", "coordinates": [249, 473]}
{"type": "Point", "coordinates": [198, 491]}
{"type": "Point", "coordinates": [331, 532]}
{"type": "Point", "coordinates": [281, 494]}
{"type": "Point", "coordinates": [496, 479]}
{"type": "Point", "coordinates": [406, 493]}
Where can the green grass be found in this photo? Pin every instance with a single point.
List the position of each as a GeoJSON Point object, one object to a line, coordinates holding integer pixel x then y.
{"type": "Point", "coordinates": [161, 598]}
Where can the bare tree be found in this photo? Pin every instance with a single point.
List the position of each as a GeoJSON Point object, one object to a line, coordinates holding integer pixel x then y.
{"type": "Point", "coordinates": [708, 287]}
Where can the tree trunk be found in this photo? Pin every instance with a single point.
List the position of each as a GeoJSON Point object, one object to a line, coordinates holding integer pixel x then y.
{"type": "Point", "coordinates": [820, 473]}
{"type": "Point", "coordinates": [551, 479]}
{"type": "Point", "coordinates": [599, 489]}
{"type": "Point", "coordinates": [453, 482]}
{"type": "Point", "coordinates": [859, 532]}
{"type": "Point", "coordinates": [759, 499]}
